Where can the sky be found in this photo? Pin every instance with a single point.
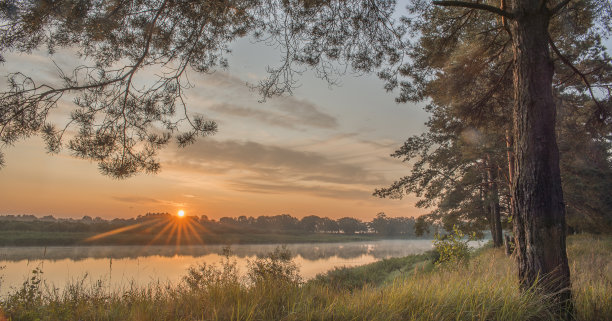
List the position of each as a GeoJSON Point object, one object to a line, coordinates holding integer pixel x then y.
{"type": "Point", "coordinates": [321, 151]}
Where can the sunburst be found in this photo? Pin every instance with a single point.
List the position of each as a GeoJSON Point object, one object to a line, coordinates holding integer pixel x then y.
{"type": "Point", "coordinates": [184, 230]}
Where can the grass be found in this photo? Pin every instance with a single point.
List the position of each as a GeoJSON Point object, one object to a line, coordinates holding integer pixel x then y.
{"type": "Point", "coordinates": [408, 288]}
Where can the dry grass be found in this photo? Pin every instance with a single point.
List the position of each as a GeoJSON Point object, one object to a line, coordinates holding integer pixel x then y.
{"type": "Point", "coordinates": [485, 289]}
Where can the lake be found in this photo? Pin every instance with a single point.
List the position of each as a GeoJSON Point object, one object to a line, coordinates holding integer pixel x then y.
{"type": "Point", "coordinates": [121, 267]}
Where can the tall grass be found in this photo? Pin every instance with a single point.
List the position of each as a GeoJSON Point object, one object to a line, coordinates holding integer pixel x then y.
{"type": "Point", "coordinates": [411, 289]}
{"type": "Point", "coordinates": [590, 260]}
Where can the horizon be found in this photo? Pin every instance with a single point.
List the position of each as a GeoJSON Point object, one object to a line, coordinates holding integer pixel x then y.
{"type": "Point", "coordinates": [186, 215]}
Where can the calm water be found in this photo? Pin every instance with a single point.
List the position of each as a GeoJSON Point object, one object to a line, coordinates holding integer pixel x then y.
{"type": "Point", "coordinates": [120, 267]}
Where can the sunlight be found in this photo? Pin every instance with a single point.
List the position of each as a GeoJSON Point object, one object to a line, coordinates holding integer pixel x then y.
{"type": "Point", "coordinates": [179, 229]}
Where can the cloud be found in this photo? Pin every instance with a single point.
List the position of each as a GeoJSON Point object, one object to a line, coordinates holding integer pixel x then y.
{"type": "Point", "coordinates": [287, 112]}
{"type": "Point", "coordinates": [270, 160]}
{"type": "Point", "coordinates": [142, 200]}
{"type": "Point", "coordinates": [255, 167]}
{"type": "Point", "coordinates": [306, 112]}
{"type": "Point", "coordinates": [260, 115]}
{"type": "Point", "coordinates": [136, 199]}
{"type": "Point", "coordinates": [325, 191]}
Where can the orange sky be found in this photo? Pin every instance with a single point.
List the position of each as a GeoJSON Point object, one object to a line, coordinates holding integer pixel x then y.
{"type": "Point", "coordinates": [321, 151]}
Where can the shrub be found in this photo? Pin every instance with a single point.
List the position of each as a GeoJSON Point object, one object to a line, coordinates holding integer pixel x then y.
{"type": "Point", "coordinates": [276, 266]}
{"type": "Point", "coordinates": [453, 248]}
{"type": "Point", "coordinates": [204, 276]}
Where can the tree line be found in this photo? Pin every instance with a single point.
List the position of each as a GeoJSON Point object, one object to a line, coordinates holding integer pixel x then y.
{"type": "Point", "coordinates": [382, 224]}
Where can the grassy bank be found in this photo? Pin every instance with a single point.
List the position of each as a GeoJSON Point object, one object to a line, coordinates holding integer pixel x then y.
{"type": "Point", "coordinates": [408, 288]}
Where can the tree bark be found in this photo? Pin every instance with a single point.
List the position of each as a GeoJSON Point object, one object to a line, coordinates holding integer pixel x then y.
{"type": "Point", "coordinates": [493, 204]}
{"type": "Point", "coordinates": [539, 222]}
{"type": "Point", "coordinates": [484, 197]}
{"type": "Point", "coordinates": [511, 163]}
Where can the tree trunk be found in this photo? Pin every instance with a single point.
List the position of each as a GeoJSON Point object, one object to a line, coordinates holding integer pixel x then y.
{"type": "Point", "coordinates": [511, 163]}
{"type": "Point", "coordinates": [539, 223]}
{"type": "Point", "coordinates": [484, 197]}
{"type": "Point", "coordinates": [509, 244]}
{"type": "Point", "coordinates": [493, 204]}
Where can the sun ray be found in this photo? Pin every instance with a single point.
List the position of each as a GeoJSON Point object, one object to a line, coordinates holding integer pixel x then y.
{"type": "Point", "coordinates": [201, 227]}
{"type": "Point", "coordinates": [194, 232]}
{"type": "Point", "coordinates": [160, 233]}
{"type": "Point", "coordinates": [117, 231]}
{"type": "Point", "coordinates": [172, 232]}
{"type": "Point", "coordinates": [179, 230]}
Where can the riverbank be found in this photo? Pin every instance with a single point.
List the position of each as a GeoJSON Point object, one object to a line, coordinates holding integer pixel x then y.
{"type": "Point", "coordinates": [408, 288]}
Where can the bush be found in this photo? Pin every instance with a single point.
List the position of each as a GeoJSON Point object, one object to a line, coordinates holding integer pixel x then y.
{"type": "Point", "coordinates": [204, 276]}
{"type": "Point", "coordinates": [453, 248]}
{"type": "Point", "coordinates": [276, 266]}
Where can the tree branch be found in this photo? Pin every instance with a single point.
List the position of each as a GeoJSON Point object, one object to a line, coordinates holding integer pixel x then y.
{"type": "Point", "coordinates": [559, 7]}
{"type": "Point", "coordinates": [602, 110]}
{"type": "Point", "coordinates": [473, 5]}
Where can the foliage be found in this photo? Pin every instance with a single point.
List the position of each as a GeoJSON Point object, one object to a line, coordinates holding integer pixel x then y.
{"type": "Point", "coordinates": [121, 122]}
{"type": "Point", "coordinates": [275, 267]}
{"type": "Point", "coordinates": [485, 289]}
{"type": "Point", "coordinates": [586, 171]}
{"type": "Point", "coordinates": [384, 225]}
{"type": "Point", "coordinates": [350, 225]}
{"type": "Point", "coordinates": [462, 65]}
{"type": "Point", "coordinates": [204, 276]}
{"type": "Point", "coordinates": [29, 295]}
{"type": "Point", "coordinates": [452, 248]}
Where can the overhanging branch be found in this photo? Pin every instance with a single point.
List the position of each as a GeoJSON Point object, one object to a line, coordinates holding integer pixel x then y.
{"type": "Point", "coordinates": [473, 5]}
{"type": "Point", "coordinates": [602, 110]}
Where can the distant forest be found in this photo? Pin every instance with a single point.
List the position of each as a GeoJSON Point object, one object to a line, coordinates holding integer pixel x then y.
{"type": "Point", "coordinates": [381, 225]}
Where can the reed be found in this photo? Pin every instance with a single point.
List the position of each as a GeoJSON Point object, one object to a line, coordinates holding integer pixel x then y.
{"type": "Point", "coordinates": [411, 289]}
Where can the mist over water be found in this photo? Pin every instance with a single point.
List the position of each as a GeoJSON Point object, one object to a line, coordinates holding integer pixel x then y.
{"type": "Point", "coordinates": [121, 267]}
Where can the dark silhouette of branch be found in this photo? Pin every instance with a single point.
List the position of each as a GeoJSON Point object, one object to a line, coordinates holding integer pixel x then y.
{"type": "Point", "coordinates": [473, 5]}
{"type": "Point", "coordinates": [601, 109]}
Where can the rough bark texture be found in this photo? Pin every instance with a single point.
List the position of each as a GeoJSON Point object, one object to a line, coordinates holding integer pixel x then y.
{"type": "Point", "coordinates": [511, 163]}
{"type": "Point", "coordinates": [539, 222]}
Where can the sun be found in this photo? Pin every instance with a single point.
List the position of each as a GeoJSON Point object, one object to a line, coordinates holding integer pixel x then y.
{"type": "Point", "coordinates": [181, 213]}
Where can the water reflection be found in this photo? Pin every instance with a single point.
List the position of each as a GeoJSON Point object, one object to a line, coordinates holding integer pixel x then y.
{"type": "Point", "coordinates": [121, 267]}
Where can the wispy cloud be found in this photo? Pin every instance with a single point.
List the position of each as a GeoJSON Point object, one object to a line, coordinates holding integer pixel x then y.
{"type": "Point", "coordinates": [229, 95]}
{"type": "Point", "coordinates": [260, 115]}
{"type": "Point", "coordinates": [136, 199]}
{"type": "Point", "coordinates": [305, 112]}
{"type": "Point", "coordinates": [338, 192]}
{"type": "Point", "coordinates": [148, 201]}
{"type": "Point", "coordinates": [249, 166]}
{"type": "Point", "coordinates": [267, 159]}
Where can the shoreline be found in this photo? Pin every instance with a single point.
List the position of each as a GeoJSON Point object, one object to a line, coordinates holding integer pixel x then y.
{"type": "Point", "coordinates": [43, 239]}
